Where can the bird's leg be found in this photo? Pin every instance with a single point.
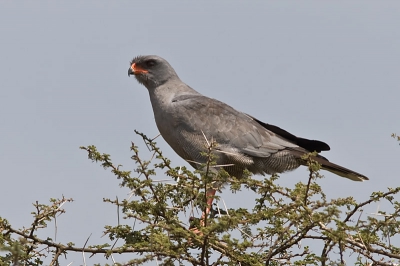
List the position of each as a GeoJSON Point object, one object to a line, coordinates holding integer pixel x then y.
{"type": "Point", "coordinates": [210, 197]}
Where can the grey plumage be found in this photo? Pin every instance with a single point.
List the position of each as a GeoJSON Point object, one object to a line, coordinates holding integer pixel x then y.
{"type": "Point", "coordinates": [185, 118]}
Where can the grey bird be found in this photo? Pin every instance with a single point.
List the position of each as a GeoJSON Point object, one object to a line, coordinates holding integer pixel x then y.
{"type": "Point", "coordinates": [186, 119]}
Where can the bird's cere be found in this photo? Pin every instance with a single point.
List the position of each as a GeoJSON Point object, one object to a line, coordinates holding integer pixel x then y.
{"type": "Point", "coordinates": [138, 70]}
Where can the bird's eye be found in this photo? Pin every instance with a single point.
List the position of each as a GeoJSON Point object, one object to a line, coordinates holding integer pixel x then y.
{"type": "Point", "coordinates": [150, 63]}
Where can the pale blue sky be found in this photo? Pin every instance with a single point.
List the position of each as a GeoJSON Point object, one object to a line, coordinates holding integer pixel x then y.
{"type": "Point", "coordinates": [321, 70]}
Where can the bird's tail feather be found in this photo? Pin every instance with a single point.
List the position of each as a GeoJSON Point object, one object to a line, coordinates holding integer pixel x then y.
{"type": "Point", "coordinates": [339, 170]}
{"type": "Point", "coordinates": [331, 167]}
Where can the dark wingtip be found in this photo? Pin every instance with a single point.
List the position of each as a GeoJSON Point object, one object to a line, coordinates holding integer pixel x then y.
{"type": "Point", "coordinates": [310, 145]}
{"type": "Point", "coordinates": [313, 145]}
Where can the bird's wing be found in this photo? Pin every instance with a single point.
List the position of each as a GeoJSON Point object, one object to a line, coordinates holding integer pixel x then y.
{"type": "Point", "coordinates": [310, 145]}
{"type": "Point", "coordinates": [199, 114]}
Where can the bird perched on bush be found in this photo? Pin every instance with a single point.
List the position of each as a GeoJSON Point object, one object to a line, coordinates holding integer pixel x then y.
{"type": "Point", "coordinates": [186, 119]}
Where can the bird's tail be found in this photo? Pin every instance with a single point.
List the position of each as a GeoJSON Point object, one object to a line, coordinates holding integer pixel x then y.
{"type": "Point", "coordinates": [339, 170]}
{"type": "Point", "coordinates": [328, 166]}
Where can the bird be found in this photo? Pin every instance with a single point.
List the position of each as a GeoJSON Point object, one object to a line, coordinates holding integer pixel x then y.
{"type": "Point", "coordinates": [187, 120]}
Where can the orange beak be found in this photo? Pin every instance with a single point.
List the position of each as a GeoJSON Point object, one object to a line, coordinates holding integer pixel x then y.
{"type": "Point", "coordinates": [136, 70]}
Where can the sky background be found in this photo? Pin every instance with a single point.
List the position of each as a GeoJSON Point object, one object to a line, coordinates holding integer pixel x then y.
{"type": "Point", "coordinates": [320, 70]}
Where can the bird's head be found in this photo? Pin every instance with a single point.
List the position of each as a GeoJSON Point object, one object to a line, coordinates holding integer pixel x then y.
{"type": "Point", "coordinates": [151, 70]}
